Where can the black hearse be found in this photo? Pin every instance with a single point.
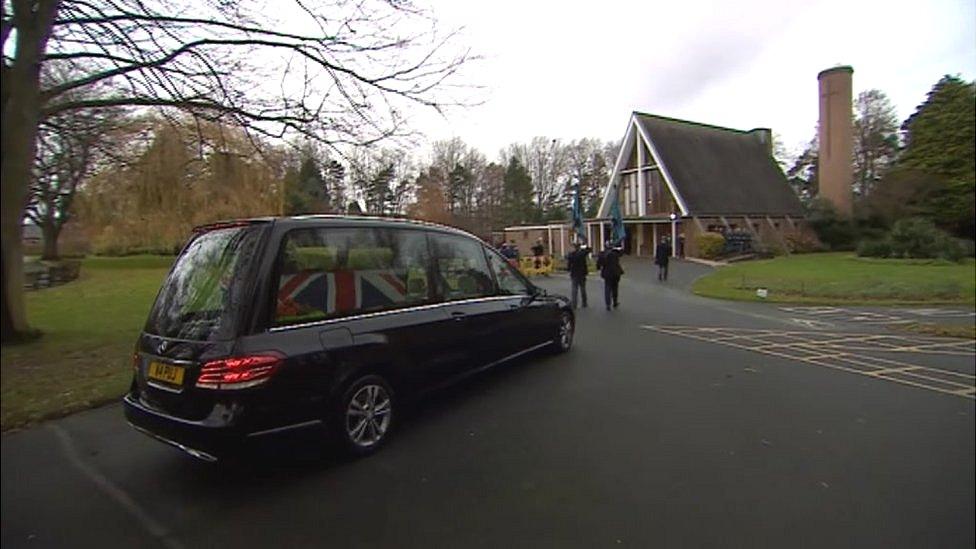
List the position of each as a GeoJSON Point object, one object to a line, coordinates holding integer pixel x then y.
{"type": "Point", "coordinates": [270, 325]}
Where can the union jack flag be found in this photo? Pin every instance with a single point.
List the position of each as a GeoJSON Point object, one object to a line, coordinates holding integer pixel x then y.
{"type": "Point", "coordinates": [338, 292]}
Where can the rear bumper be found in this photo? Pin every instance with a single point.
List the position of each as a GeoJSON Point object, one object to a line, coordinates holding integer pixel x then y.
{"type": "Point", "coordinates": [199, 454]}
{"type": "Point", "coordinates": [207, 440]}
{"type": "Point", "coordinates": [197, 438]}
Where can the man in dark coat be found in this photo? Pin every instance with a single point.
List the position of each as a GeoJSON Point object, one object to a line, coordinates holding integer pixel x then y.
{"type": "Point", "coordinates": [538, 252]}
{"type": "Point", "coordinates": [608, 262]}
{"type": "Point", "coordinates": [576, 264]}
{"type": "Point", "coordinates": [662, 255]}
{"type": "Point", "coordinates": [510, 251]}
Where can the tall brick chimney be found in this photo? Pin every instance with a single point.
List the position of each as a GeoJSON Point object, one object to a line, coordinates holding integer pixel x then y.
{"type": "Point", "coordinates": [835, 170]}
{"type": "Point", "coordinates": [765, 138]}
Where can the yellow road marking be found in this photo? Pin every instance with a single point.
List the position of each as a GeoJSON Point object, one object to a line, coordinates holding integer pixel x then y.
{"type": "Point", "coordinates": [844, 360]}
{"type": "Point", "coordinates": [892, 370]}
{"type": "Point", "coordinates": [937, 380]}
{"type": "Point", "coordinates": [893, 343]}
{"type": "Point", "coordinates": [970, 377]}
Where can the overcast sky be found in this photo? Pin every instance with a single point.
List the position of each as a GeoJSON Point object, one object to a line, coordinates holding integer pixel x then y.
{"type": "Point", "coordinates": [578, 69]}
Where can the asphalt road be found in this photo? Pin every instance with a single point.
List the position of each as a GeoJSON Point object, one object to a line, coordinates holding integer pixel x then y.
{"type": "Point", "coordinates": [674, 422]}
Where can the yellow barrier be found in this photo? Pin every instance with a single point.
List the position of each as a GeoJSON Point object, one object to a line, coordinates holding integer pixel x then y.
{"type": "Point", "coordinates": [528, 268]}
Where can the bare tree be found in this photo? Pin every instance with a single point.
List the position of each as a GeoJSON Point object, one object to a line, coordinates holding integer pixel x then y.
{"type": "Point", "coordinates": [345, 74]}
{"type": "Point", "coordinates": [784, 157]}
{"type": "Point", "coordinates": [402, 189]}
{"type": "Point", "coordinates": [802, 176]}
{"type": "Point", "coordinates": [589, 163]}
{"type": "Point", "coordinates": [490, 194]}
{"type": "Point", "coordinates": [70, 147]}
{"type": "Point", "coordinates": [335, 181]}
{"type": "Point", "coordinates": [448, 153]}
{"type": "Point", "coordinates": [875, 139]}
{"type": "Point", "coordinates": [451, 157]}
{"type": "Point", "coordinates": [377, 176]}
{"type": "Point", "coordinates": [547, 163]}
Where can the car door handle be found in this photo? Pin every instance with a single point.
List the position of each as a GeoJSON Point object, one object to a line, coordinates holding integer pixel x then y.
{"type": "Point", "coordinates": [458, 315]}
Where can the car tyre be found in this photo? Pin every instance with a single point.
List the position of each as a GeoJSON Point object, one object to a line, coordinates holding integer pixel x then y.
{"type": "Point", "coordinates": [364, 417]}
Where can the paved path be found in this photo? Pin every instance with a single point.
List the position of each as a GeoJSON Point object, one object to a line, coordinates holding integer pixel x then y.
{"type": "Point", "coordinates": [675, 422]}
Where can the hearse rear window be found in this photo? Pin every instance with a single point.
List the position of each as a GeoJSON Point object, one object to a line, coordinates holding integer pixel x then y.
{"type": "Point", "coordinates": [329, 273]}
{"type": "Point", "coordinates": [201, 298]}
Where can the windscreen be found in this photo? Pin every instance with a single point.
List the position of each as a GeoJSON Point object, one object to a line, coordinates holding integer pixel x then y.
{"type": "Point", "coordinates": [201, 298]}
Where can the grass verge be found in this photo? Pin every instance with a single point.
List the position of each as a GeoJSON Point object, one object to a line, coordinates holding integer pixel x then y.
{"type": "Point", "coordinates": [843, 278]}
{"type": "Point", "coordinates": [89, 327]}
{"type": "Point", "coordinates": [942, 330]}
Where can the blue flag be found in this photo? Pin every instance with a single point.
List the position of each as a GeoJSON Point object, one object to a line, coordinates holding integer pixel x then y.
{"type": "Point", "coordinates": [578, 216]}
{"type": "Point", "coordinates": [617, 233]}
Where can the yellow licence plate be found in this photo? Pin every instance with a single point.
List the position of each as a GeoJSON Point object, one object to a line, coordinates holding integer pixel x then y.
{"type": "Point", "coordinates": [166, 373]}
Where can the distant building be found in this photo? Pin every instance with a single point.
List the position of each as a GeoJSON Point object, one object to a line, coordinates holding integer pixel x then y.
{"type": "Point", "coordinates": [680, 179]}
{"type": "Point", "coordinates": [31, 236]}
{"type": "Point", "coordinates": [72, 241]}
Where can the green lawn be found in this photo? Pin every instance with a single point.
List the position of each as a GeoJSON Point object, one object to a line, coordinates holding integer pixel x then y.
{"type": "Point", "coordinates": [843, 278]}
{"type": "Point", "coordinates": [89, 328]}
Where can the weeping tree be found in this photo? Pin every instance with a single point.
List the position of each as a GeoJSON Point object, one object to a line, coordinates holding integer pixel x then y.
{"type": "Point", "coordinates": [334, 71]}
{"type": "Point", "coordinates": [160, 180]}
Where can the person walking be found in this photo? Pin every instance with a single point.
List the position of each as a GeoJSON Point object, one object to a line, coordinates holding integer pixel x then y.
{"type": "Point", "coordinates": [539, 252]}
{"type": "Point", "coordinates": [608, 263]}
{"type": "Point", "coordinates": [662, 255]}
{"type": "Point", "coordinates": [510, 251]}
{"type": "Point", "coordinates": [576, 264]}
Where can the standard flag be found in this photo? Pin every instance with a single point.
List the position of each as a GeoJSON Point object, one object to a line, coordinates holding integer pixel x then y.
{"type": "Point", "coordinates": [578, 215]}
{"type": "Point", "coordinates": [617, 224]}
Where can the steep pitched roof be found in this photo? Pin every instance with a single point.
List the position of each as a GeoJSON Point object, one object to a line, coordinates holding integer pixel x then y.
{"type": "Point", "coordinates": [718, 170]}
